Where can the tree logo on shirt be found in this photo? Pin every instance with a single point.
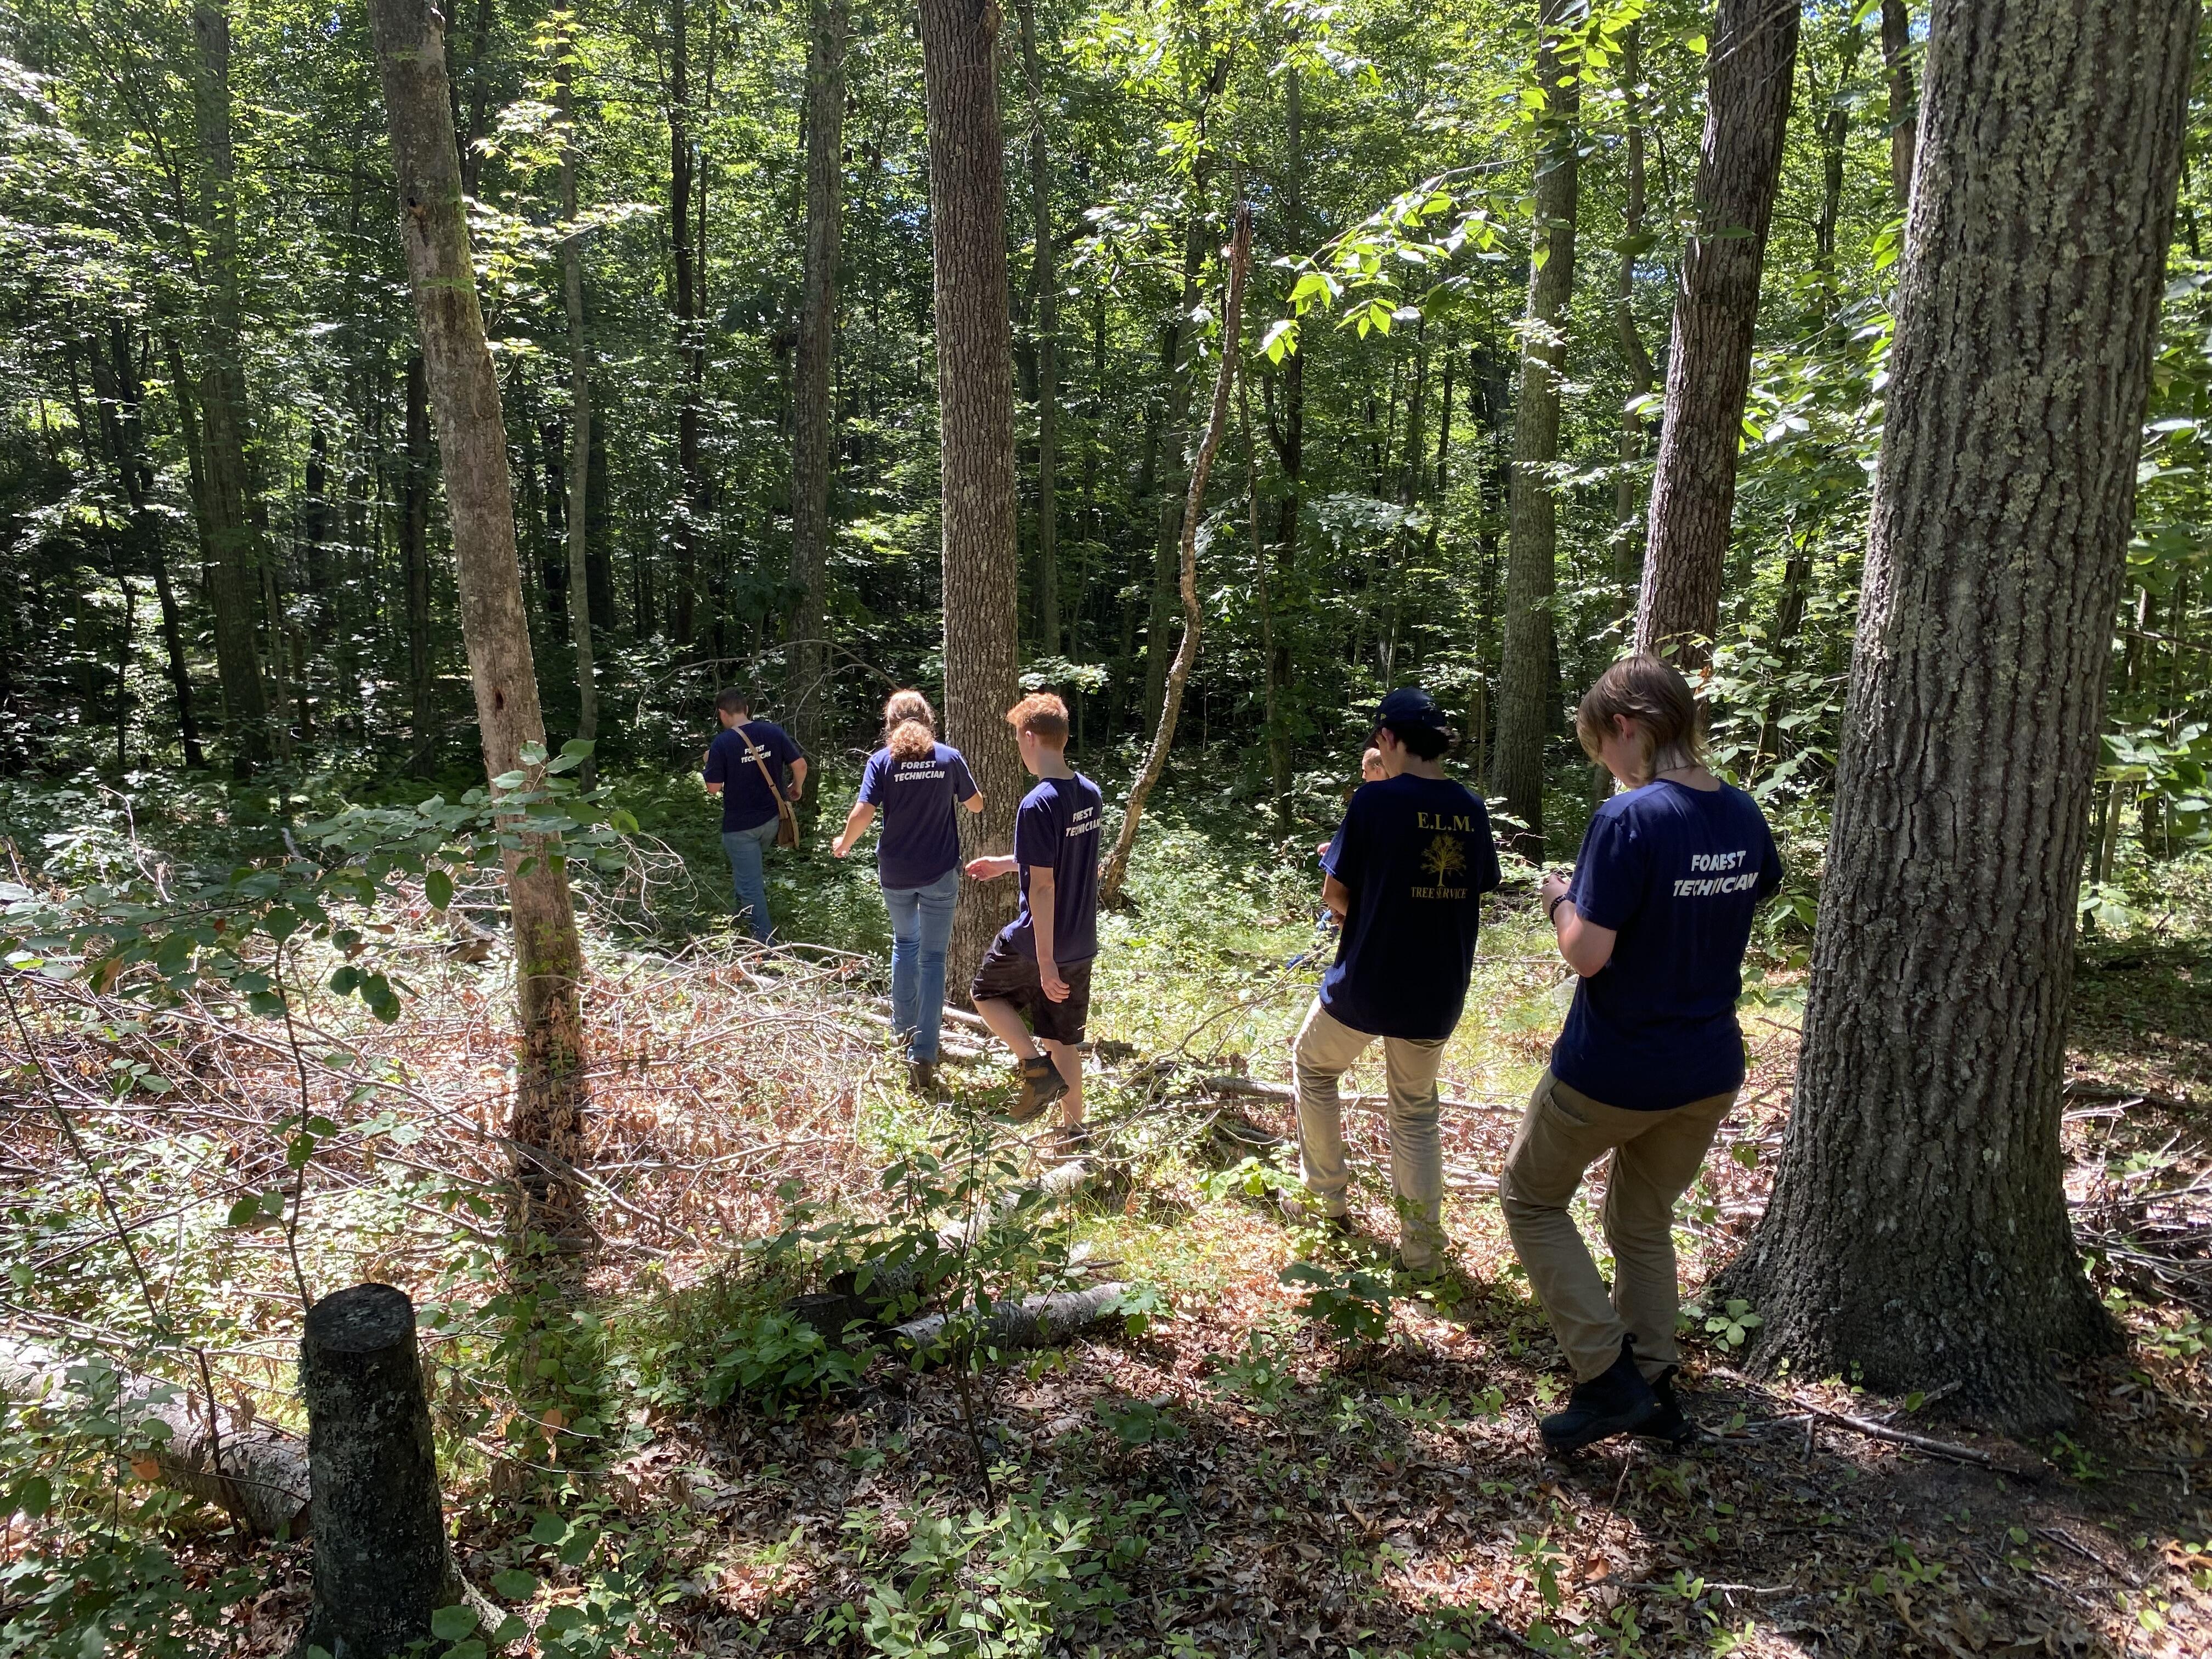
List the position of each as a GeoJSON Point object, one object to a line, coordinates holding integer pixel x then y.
{"type": "Point", "coordinates": [1446, 857]}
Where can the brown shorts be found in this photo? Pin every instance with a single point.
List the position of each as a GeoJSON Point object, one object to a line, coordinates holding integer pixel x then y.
{"type": "Point", "coordinates": [1007, 975]}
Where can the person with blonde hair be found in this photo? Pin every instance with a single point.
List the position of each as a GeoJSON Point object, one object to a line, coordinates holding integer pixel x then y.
{"type": "Point", "coordinates": [1655, 923]}
{"type": "Point", "coordinates": [915, 781]}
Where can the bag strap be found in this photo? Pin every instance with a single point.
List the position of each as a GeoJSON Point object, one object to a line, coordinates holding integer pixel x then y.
{"type": "Point", "coordinates": [756, 750]}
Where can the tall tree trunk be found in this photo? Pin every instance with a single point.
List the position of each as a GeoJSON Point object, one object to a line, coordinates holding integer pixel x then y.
{"type": "Point", "coordinates": [585, 600]}
{"type": "Point", "coordinates": [479, 97]}
{"type": "Point", "coordinates": [689, 344]}
{"type": "Point", "coordinates": [121, 405]}
{"type": "Point", "coordinates": [1835, 133]}
{"type": "Point", "coordinates": [813, 419]}
{"type": "Point", "coordinates": [1048, 349]}
{"type": "Point", "coordinates": [1527, 682]}
{"type": "Point", "coordinates": [599, 561]}
{"type": "Point", "coordinates": [1715, 310]}
{"type": "Point", "coordinates": [280, 688]}
{"type": "Point", "coordinates": [232, 543]}
{"type": "Point", "coordinates": [1287, 437]}
{"type": "Point", "coordinates": [1117, 868]}
{"type": "Point", "coordinates": [414, 568]}
{"type": "Point", "coordinates": [976, 415]}
{"type": "Point", "coordinates": [1918, 1229]}
{"type": "Point", "coordinates": [1636, 361]}
{"type": "Point", "coordinates": [1904, 95]}
{"type": "Point", "coordinates": [549, 1095]}
{"type": "Point", "coordinates": [1175, 417]}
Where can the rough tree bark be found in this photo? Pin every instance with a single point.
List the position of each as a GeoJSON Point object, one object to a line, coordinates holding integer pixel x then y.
{"type": "Point", "coordinates": [549, 1095]}
{"type": "Point", "coordinates": [812, 417]}
{"type": "Point", "coordinates": [1752, 69]}
{"type": "Point", "coordinates": [1116, 869]}
{"type": "Point", "coordinates": [583, 602]}
{"type": "Point", "coordinates": [1635, 241]}
{"type": "Point", "coordinates": [228, 523]}
{"type": "Point", "coordinates": [1048, 349]}
{"type": "Point", "coordinates": [381, 1565]}
{"type": "Point", "coordinates": [976, 413]}
{"type": "Point", "coordinates": [1904, 95]}
{"type": "Point", "coordinates": [1526, 676]}
{"type": "Point", "coordinates": [414, 566]}
{"type": "Point", "coordinates": [1918, 1233]}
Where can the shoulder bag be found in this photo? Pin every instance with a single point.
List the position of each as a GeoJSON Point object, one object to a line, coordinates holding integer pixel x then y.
{"type": "Point", "coordinates": [787, 821]}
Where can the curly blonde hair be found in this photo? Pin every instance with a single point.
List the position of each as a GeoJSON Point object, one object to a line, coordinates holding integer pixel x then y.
{"type": "Point", "coordinates": [910, 727]}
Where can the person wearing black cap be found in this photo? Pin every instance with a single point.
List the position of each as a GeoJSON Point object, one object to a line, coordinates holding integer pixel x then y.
{"type": "Point", "coordinates": [1407, 872]}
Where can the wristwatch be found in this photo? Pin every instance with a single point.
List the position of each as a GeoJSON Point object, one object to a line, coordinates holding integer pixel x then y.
{"type": "Point", "coordinates": [1552, 910]}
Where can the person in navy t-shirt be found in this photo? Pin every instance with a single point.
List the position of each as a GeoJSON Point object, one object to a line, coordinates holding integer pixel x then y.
{"type": "Point", "coordinates": [1040, 964]}
{"type": "Point", "coordinates": [732, 769]}
{"type": "Point", "coordinates": [915, 781]}
{"type": "Point", "coordinates": [1407, 872]}
{"type": "Point", "coordinates": [1655, 923]}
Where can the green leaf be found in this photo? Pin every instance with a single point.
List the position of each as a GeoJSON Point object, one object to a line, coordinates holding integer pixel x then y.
{"type": "Point", "coordinates": [245, 1212]}
{"type": "Point", "coordinates": [549, 1528]}
{"type": "Point", "coordinates": [33, 1495]}
{"type": "Point", "coordinates": [438, 887]}
{"type": "Point", "coordinates": [515, 1584]}
{"type": "Point", "coordinates": [451, 1624]}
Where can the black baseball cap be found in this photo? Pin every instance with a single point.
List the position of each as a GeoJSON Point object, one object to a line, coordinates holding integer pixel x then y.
{"type": "Point", "coordinates": [1410, 706]}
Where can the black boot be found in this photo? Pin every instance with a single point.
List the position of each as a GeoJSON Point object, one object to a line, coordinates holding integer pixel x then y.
{"type": "Point", "coordinates": [1671, 1423]}
{"type": "Point", "coordinates": [1617, 1400]}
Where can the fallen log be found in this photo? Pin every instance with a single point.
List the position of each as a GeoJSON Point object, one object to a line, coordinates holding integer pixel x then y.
{"type": "Point", "coordinates": [1038, 1322]}
{"type": "Point", "coordinates": [249, 1469]}
{"type": "Point", "coordinates": [1252, 1088]}
{"type": "Point", "coordinates": [960, 1053]}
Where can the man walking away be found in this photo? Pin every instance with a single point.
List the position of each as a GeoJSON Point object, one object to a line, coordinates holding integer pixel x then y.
{"type": "Point", "coordinates": [1407, 872]}
{"type": "Point", "coordinates": [745, 766]}
{"type": "Point", "coordinates": [1040, 963]}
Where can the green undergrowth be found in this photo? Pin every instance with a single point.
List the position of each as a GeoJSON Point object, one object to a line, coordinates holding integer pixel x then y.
{"type": "Point", "coordinates": [602, 1432]}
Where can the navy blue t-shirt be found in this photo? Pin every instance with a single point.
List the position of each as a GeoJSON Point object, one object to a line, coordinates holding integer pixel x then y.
{"type": "Point", "coordinates": [1058, 825]}
{"type": "Point", "coordinates": [1417, 856]}
{"type": "Point", "coordinates": [1676, 873]}
{"type": "Point", "coordinates": [921, 838]}
{"type": "Point", "coordinates": [746, 803]}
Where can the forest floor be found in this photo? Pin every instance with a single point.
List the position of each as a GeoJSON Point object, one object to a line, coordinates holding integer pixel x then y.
{"type": "Point", "coordinates": [642, 1454]}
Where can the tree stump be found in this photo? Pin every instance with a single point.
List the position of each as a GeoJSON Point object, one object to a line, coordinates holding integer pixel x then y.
{"type": "Point", "coordinates": [382, 1564]}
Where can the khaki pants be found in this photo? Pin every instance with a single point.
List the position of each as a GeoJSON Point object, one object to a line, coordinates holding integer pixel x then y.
{"type": "Point", "coordinates": [1324, 1051]}
{"type": "Point", "coordinates": [1655, 1156]}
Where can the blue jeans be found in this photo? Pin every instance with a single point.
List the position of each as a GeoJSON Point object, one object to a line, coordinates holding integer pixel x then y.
{"type": "Point", "coordinates": [748, 884]}
{"type": "Point", "coordinates": [921, 926]}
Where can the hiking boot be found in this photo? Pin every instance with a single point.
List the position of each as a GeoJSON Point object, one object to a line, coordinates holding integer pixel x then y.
{"type": "Point", "coordinates": [1071, 1141]}
{"type": "Point", "coordinates": [1670, 1423]}
{"type": "Point", "coordinates": [921, 1078]}
{"type": "Point", "coordinates": [1617, 1400]}
{"type": "Point", "coordinates": [1042, 1084]}
{"type": "Point", "coordinates": [1307, 1213]}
